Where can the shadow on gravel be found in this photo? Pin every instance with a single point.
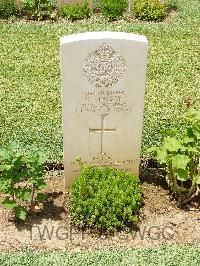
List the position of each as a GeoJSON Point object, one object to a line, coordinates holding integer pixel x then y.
{"type": "Point", "coordinates": [50, 212]}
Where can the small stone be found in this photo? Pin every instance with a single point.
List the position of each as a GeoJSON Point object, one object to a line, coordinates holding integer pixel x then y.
{"type": "Point", "coordinates": [36, 209]}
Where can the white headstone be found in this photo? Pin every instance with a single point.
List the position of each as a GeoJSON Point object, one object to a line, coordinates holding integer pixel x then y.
{"type": "Point", "coordinates": [103, 88]}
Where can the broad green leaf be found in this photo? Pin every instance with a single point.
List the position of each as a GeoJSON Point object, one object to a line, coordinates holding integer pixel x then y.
{"type": "Point", "coordinates": [36, 159]}
{"type": "Point", "coordinates": [162, 156]}
{"type": "Point", "coordinates": [152, 150]}
{"type": "Point", "coordinates": [14, 146]}
{"type": "Point", "coordinates": [180, 161]}
{"type": "Point", "coordinates": [23, 193]}
{"type": "Point", "coordinates": [190, 132]}
{"type": "Point", "coordinates": [8, 204]}
{"type": "Point", "coordinates": [5, 167]}
{"type": "Point", "coordinates": [26, 195]}
{"type": "Point", "coordinates": [5, 184]}
{"type": "Point", "coordinates": [197, 179]}
{"type": "Point", "coordinates": [17, 192]}
{"type": "Point", "coordinates": [41, 185]}
{"type": "Point", "coordinates": [41, 197]}
{"type": "Point", "coordinates": [172, 132]}
{"type": "Point", "coordinates": [193, 114]}
{"type": "Point", "coordinates": [197, 134]}
{"type": "Point", "coordinates": [182, 175]}
{"type": "Point", "coordinates": [172, 144]}
{"type": "Point", "coordinates": [17, 161]}
{"type": "Point", "coordinates": [38, 185]}
{"type": "Point", "coordinates": [190, 149]}
{"type": "Point", "coordinates": [188, 140]}
{"type": "Point", "coordinates": [20, 212]}
{"type": "Point", "coordinates": [4, 155]}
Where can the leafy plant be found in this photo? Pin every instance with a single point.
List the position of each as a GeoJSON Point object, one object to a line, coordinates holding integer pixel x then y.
{"type": "Point", "coordinates": [181, 157]}
{"type": "Point", "coordinates": [150, 10]}
{"type": "Point", "coordinates": [75, 11]}
{"type": "Point", "coordinates": [39, 9]}
{"type": "Point", "coordinates": [7, 9]}
{"type": "Point", "coordinates": [105, 198]}
{"type": "Point", "coordinates": [113, 9]}
{"type": "Point", "coordinates": [171, 4]}
{"type": "Point", "coordinates": [21, 179]}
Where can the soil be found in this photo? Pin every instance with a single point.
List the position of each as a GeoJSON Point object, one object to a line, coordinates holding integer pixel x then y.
{"type": "Point", "coordinates": [162, 222]}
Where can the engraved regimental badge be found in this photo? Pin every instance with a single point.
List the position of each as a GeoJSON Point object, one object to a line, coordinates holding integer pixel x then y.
{"type": "Point", "coordinates": [104, 67]}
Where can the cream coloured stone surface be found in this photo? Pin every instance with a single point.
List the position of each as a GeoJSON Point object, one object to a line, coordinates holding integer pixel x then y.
{"type": "Point", "coordinates": [103, 88]}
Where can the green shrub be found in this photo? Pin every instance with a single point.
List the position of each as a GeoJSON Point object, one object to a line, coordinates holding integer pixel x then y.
{"type": "Point", "coordinates": [150, 10]}
{"type": "Point", "coordinates": [171, 4]}
{"type": "Point", "coordinates": [39, 9]}
{"type": "Point", "coordinates": [180, 155]}
{"type": "Point", "coordinates": [21, 179]}
{"type": "Point", "coordinates": [7, 9]}
{"type": "Point", "coordinates": [113, 9]}
{"type": "Point", "coordinates": [75, 11]}
{"type": "Point", "coordinates": [105, 198]}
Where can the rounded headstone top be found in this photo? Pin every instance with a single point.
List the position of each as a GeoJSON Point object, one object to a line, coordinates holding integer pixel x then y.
{"type": "Point", "coordinates": [103, 35]}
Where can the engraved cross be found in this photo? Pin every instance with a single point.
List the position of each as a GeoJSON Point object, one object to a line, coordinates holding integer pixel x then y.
{"type": "Point", "coordinates": [102, 130]}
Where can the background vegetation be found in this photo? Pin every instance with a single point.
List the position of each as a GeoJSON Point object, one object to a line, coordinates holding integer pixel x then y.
{"type": "Point", "coordinates": [30, 88]}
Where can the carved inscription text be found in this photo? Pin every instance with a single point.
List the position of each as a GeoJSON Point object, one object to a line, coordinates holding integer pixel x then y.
{"type": "Point", "coordinates": [104, 101]}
